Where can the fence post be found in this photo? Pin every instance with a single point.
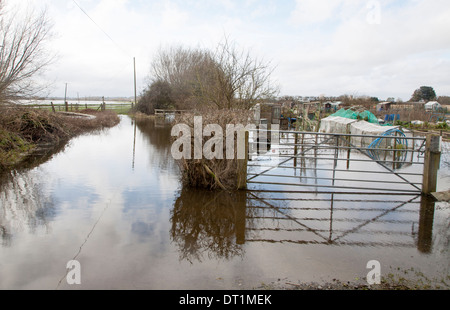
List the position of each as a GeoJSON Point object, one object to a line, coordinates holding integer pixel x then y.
{"type": "Point", "coordinates": [242, 165]}
{"type": "Point", "coordinates": [431, 163]}
{"type": "Point", "coordinates": [413, 146]}
{"type": "Point", "coordinates": [348, 150]}
{"type": "Point", "coordinates": [295, 149]}
{"type": "Point", "coordinates": [103, 104]}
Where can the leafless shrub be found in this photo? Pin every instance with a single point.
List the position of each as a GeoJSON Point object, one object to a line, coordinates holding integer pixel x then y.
{"type": "Point", "coordinates": [32, 125]}
{"type": "Point", "coordinates": [235, 79]}
{"type": "Point", "coordinates": [179, 67]}
{"type": "Point", "coordinates": [226, 78]}
{"type": "Point", "coordinates": [213, 173]}
{"type": "Point", "coordinates": [39, 126]}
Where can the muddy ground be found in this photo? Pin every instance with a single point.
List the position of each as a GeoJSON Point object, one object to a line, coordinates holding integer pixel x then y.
{"type": "Point", "coordinates": [390, 283]}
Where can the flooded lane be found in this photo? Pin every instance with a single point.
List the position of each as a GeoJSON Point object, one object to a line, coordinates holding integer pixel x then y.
{"type": "Point", "coordinates": [113, 201]}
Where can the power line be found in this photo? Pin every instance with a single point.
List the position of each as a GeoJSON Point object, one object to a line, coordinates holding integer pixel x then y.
{"type": "Point", "coordinates": [104, 32]}
{"type": "Point", "coordinates": [112, 40]}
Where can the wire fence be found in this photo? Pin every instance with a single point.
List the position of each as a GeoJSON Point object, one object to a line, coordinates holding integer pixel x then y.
{"type": "Point", "coordinates": [75, 107]}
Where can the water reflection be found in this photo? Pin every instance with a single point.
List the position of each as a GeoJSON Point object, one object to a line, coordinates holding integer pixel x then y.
{"type": "Point", "coordinates": [343, 219]}
{"type": "Point", "coordinates": [42, 154]}
{"type": "Point", "coordinates": [209, 223]}
{"type": "Point", "coordinates": [157, 135]}
{"type": "Point", "coordinates": [24, 205]}
{"type": "Point", "coordinates": [145, 227]}
{"type": "Point", "coordinates": [219, 223]}
{"type": "Point", "coordinates": [425, 235]}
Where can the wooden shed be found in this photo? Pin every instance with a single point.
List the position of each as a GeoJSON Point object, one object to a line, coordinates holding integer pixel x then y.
{"type": "Point", "coordinates": [267, 113]}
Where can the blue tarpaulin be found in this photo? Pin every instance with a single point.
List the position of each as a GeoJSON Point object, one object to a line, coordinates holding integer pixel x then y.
{"type": "Point", "coordinates": [392, 117]}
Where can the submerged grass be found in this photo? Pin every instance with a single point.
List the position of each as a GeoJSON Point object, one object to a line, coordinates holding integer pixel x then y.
{"type": "Point", "coordinates": [22, 129]}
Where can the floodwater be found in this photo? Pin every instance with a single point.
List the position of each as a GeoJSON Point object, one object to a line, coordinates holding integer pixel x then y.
{"type": "Point", "coordinates": [113, 201]}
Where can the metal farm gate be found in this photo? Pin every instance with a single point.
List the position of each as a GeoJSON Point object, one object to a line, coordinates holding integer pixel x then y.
{"type": "Point", "coordinates": [327, 162]}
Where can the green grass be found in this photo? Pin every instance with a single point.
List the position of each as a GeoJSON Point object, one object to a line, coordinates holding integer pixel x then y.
{"type": "Point", "coordinates": [120, 109]}
{"type": "Point", "coordinates": [12, 147]}
{"type": "Point", "coordinates": [426, 125]}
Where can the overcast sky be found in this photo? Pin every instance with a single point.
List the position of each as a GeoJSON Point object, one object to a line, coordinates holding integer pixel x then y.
{"type": "Point", "coordinates": [385, 48]}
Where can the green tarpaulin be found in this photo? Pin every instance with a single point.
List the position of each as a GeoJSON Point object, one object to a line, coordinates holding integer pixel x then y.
{"type": "Point", "coordinates": [365, 115]}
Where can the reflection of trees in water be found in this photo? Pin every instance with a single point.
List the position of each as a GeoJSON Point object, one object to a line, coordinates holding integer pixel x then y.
{"type": "Point", "coordinates": [22, 204]}
{"type": "Point", "coordinates": [158, 135]}
{"type": "Point", "coordinates": [41, 154]}
{"type": "Point", "coordinates": [209, 222]}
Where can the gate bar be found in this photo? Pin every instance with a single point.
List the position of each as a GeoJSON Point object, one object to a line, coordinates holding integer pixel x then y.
{"type": "Point", "coordinates": [285, 161]}
{"type": "Point", "coordinates": [337, 170]}
{"type": "Point", "coordinates": [330, 179]}
{"type": "Point", "coordinates": [339, 134]}
{"type": "Point", "coordinates": [342, 187]}
{"type": "Point", "coordinates": [387, 168]}
{"type": "Point", "coordinates": [344, 159]}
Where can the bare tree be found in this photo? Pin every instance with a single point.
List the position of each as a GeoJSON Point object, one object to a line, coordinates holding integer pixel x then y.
{"type": "Point", "coordinates": [23, 55]}
{"type": "Point", "coordinates": [179, 67]}
{"type": "Point", "coordinates": [226, 78]}
{"type": "Point", "coordinates": [235, 79]}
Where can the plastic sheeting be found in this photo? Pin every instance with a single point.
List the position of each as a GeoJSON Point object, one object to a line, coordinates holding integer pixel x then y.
{"type": "Point", "coordinates": [342, 125]}
{"type": "Point", "coordinates": [336, 124]}
{"type": "Point", "coordinates": [350, 114]}
{"type": "Point", "coordinates": [368, 129]}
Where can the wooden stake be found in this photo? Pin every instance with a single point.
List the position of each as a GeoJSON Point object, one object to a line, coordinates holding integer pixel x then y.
{"type": "Point", "coordinates": [242, 167]}
{"type": "Point", "coordinates": [65, 99]}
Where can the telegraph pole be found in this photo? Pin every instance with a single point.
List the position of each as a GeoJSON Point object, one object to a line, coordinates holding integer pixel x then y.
{"type": "Point", "coordinates": [65, 99]}
{"type": "Point", "coordinates": [135, 94]}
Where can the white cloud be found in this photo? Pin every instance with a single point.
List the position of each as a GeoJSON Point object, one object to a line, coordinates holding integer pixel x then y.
{"type": "Point", "coordinates": [173, 17]}
{"type": "Point", "coordinates": [316, 11]}
{"type": "Point", "coordinates": [320, 46]}
{"type": "Point", "coordinates": [340, 50]}
{"type": "Point", "coordinates": [227, 4]}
